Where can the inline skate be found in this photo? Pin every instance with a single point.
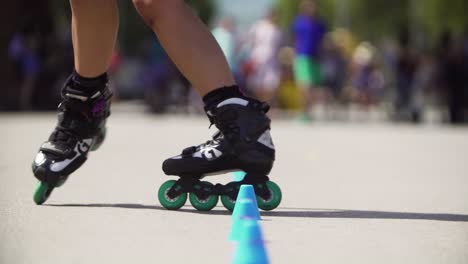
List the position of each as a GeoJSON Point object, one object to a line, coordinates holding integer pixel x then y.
{"type": "Point", "coordinates": [81, 128]}
{"type": "Point", "coordinates": [243, 142]}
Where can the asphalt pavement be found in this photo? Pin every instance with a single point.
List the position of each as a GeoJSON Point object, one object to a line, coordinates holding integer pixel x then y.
{"type": "Point", "coordinates": [352, 193]}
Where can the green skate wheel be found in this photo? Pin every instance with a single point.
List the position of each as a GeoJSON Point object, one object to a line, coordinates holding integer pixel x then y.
{"type": "Point", "coordinates": [227, 202]}
{"type": "Point", "coordinates": [42, 192]}
{"type": "Point", "coordinates": [274, 200]}
{"type": "Point", "coordinates": [205, 204]}
{"type": "Point", "coordinates": [168, 203]}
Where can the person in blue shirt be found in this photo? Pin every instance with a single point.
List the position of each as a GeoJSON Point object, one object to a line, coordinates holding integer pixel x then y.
{"type": "Point", "coordinates": [309, 31]}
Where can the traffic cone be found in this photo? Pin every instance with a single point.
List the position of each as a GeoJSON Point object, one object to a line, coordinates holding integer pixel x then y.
{"type": "Point", "coordinates": [238, 175]}
{"type": "Point", "coordinates": [250, 248]}
{"type": "Point", "coordinates": [248, 211]}
{"type": "Point", "coordinates": [245, 208]}
{"type": "Point", "coordinates": [242, 208]}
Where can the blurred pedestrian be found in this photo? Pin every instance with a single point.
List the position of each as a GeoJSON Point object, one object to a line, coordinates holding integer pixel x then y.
{"type": "Point", "coordinates": [334, 66]}
{"type": "Point", "coordinates": [457, 82]}
{"type": "Point", "coordinates": [309, 31]}
{"type": "Point", "coordinates": [265, 38]}
{"type": "Point", "coordinates": [453, 76]}
{"type": "Point", "coordinates": [225, 35]}
{"type": "Point", "coordinates": [367, 78]}
{"type": "Point", "coordinates": [24, 52]}
{"type": "Point", "coordinates": [406, 67]}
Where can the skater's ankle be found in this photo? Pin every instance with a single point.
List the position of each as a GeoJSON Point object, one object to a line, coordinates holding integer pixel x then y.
{"type": "Point", "coordinates": [88, 85]}
{"type": "Point", "coordinates": [215, 97]}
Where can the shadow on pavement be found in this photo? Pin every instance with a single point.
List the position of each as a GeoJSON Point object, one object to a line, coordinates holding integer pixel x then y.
{"type": "Point", "coordinates": [142, 206]}
{"type": "Point", "coordinates": [298, 212]}
{"type": "Point", "coordinates": [362, 214]}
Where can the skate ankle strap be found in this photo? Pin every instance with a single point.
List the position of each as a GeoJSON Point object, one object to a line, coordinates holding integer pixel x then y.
{"type": "Point", "coordinates": [59, 150]}
{"type": "Point", "coordinates": [252, 103]}
{"type": "Point", "coordinates": [94, 105]}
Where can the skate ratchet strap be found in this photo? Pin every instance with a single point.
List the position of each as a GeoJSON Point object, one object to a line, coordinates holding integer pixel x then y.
{"type": "Point", "coordinates": [85, 104]}
{"type": "Point", "coordinates": [57, 149]}
{"type": "Point", "coordinates": [189, 151]}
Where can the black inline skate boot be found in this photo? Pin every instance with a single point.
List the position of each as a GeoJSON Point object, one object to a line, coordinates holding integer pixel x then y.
{"type": "Point", "coordinates": [243, 142]}
{"type": "Point", "coordinates": [80, 129]}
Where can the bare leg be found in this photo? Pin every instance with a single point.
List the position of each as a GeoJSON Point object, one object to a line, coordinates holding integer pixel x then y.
{"type": "Point", "coordinates": [308, 96]}
{"type": "Point", "coordinates": [242, 121]}
{"type": "Point", "coordinates": [86, 97]}
{"type": "Point", "coordinates": [188, 42]}
{"type": "Point", "coordinates": [94, 32]}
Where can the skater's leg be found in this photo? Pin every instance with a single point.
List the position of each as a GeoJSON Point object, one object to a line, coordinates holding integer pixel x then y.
{"type": "Point", "coordinates": [241, 120]}
{"type": "Point", "coordinates": [244, 141]}
{"type": "Point", "coordinates": [86, 97]}
{"type": "Point", "coordinates": [94, 31]}
{"type": "Point", "coordinates": [188, 42]}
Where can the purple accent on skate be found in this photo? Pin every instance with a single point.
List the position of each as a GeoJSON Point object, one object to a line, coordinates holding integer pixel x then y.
{"type": "Point", "coordinates": [98, 108]}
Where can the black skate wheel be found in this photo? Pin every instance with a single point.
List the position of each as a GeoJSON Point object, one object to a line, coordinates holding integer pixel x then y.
{"type": "Point", "coordinates": [42, 192]}
{"type": "Point", "coordinates": [166, 201]}
{"type": "Point", "coordinates": [274, 200]}
{"type": "Point", "coordinates": [204, 204]}
{"type": "Point", "coordinates": [230, 189]}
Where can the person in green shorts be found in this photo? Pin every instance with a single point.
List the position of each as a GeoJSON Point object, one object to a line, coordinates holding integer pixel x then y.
{"type": "Point", "coordinates": [307, 71]}
{"type": "Point", "coordinates": [309, 32]}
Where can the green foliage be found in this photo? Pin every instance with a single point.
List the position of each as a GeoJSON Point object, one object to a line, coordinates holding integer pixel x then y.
{"type": "Point", "coordinates": [373, 19]}
{"type": "Point", "coordinates": [134, 32]}
{"type": "Point", "coordinates": [204, 8]}
{"type": "Point", "coordinates": [289, 8]}
{"type": "Point", "coordinates": [438, 16]}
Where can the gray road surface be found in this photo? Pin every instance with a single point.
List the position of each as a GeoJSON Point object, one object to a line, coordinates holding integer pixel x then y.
{"type": "Point", "coordinates": [353, 193]}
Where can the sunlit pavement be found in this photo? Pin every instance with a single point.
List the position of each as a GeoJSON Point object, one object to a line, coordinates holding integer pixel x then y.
{"type": "Point", "coordinates": [353, 193]}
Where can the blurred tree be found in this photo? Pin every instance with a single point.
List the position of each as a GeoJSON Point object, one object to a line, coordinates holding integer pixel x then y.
{"type": "Point", "coordinates": [367, 17]}
{"type": "Point", "coordinates": [289, 8]}
{"type": "Point", "coordinates": [439, 15]}
{"type": "Point", "coordinates": [204, 8]}
{"type": "Point", "coordinates": [10, 19]}
{"type": "Point", "coordinates": [133, 31]}
{"type": "Point", "coordinates": [373, 19]}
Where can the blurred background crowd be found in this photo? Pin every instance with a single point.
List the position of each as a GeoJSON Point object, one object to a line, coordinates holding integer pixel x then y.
{"type": "Point", "coordinates": [400, 60]}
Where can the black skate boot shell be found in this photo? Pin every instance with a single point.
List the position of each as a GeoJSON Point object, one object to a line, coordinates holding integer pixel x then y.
{"type": "Point", "coordinates": [243, 142]}
{"type": "Point", "coordinates": [80, 129]}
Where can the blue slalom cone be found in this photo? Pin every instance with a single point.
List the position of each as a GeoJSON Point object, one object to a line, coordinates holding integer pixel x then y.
{"type": "Point", "coordinates": [238, 175]}
{"type": "Point", "coordinates": [243, 208]}
{"type": "Point", "coordinates": [251, 247]}
{"type": "Point", "coordinates": [247, 211]}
